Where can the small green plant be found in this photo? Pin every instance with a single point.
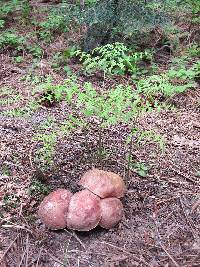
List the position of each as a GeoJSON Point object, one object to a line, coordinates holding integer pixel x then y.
{"type": "Point", "coordinates": [34, 50]}
{"type": "Point", "coordinates": [55, 24]}
{"type": "Point", "coordinates": [183, 73]}
{"type": "Point", "coordinates": [113, 59]}
{"type": "Point", "coordinates": [52, 94]}
{"type": "Point", "coordinates": [11, 201]}
{"type": "Point", "coordinates": [196, 68]}
{"type": "Point", "coordinates": [18, 59]}
{"type": "Point", "coordinates": [141, 169]}
{"type": "Point", "coordinates": [38, 189]}
{"type": "Point", "coordinates": [25, 111]}
{"type": "Point", "coordinates": [2, 23]}
{"type": "Point", "coordinates": [156, 85]}
{"type": "Point", "coordinates": [5, 170]}
{"type": "Point", "coordinates": [16, 112]}
{"type": "Point", "coordinates": [194, 5]}
{"type": "Point", "coordinates": [60, 59]}
{"type": "Point", "coordinates": [139, 137]}
{"type": "Point", "coordinates": [5, 9]}
{"type": "Point", "coordinates": [46, 152]}
{"type": "Point", "coordinates": [6, 92]}
{"type": "Point", "coordinates": [10, 39]}
{"type": "Point", "coordinates": [6, 101]}
{"type": "Point", "coordinates": [87, 104]}
{"type": "Point", "coordinates": [194, 50]}
{"type": "Point", "coordinates": [26, 10]}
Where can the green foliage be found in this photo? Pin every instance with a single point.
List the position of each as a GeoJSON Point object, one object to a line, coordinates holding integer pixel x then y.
{"type": "Point", "coordinates": [146, 136]}
{"type": "Point", "coordinates": [11, 201]}
{"type": "Point", "coordinates": [2, 23]}
{"type": "Point", "coordinates": [18, 59]}
{"type": "Point", "coordinates": [9, 7]}
{"type": "Point", "coordinates": [141, 169]}
{"type": "Point", "coordinates": [87, 104]}
{"type": "Point", "coordinates": [6, 170]}
{"type": "Point", "coordinates": [34, 50]}
{"type": "Point", "coordinates": [114, 20]}
{"type": "Point", "coordinates": [26, 10]}
{"type": "Point", "coordinates": [38, 189]}
{"type": "Point", "coordinates": [60, 59]}
{"type": "Point", "coordinates": [119, 104]}
{"type": "Point", "coordinates": [15, 112]}
{"type": "Point", "coordinates": [9, 100]}
{"type": "Point", "coordinates": [156, 85]}
{"type": "Point", "coordinates": [10, 39]}
{"type": "Point", "coordinates": [21, 111]}
{"type": "Point", "coordinates": [194, 51]}
{"type": "Point", "coordinates": [113, 59]}
{"type": "Point", "coordinates": [194, 5]}
{"type": "Point", "coordinates": [54, 24]}
{"type": "Point", "coordinates": [52, 93]}
{"type": "Point", "coordinates": [184, 71]}
{"type": "Point", "coordinates": [10, 96]}
{"type": "Point", "coordinates": [5, 9]}
{"type": "Point", "coordinates": [90, 3]}
{"type": "Point", "coordinates": [45, 154]}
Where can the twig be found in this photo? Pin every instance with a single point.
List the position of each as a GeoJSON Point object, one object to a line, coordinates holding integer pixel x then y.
{"type": "Point", "coordinates": [78, 262]}
{"type": "Point", "coordinates": [127, 252]}
{"type": "Point", "coordinates": [27, 250]}
{"type": "Point", "coordinates": [172, 259]}
{"type": "Point", "coordinates": [163, 247]}
{"type": "Point", "coordinates": [55, 259]}
{"type": "Point", "coordinates": [25, 253]}
{"type": "Point", "coordinates": [38, 258]}
{"type": "Point", "coordinates": [8, 248]}
{"type": "Point", "coordinates": [77, 238]}
{"type": "Point", "coordinates": [18, 227]}
{"type": "Point", "coordinates": [22, 258]}
{"type": "Point", "coordinates": [187, 218]}
{"type": "Point", "coordinates": [195, 205]}
{"type": "Point", "coordinates": [66, 250]}
{"type": "Point", "coordinates": [193, 261]}
{"type": "Point", "coordinates": [183, 175]}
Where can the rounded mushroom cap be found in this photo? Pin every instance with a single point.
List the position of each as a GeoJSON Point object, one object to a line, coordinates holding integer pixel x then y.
{"type": "Point", "coordinates": [103, 184]}
{"type": "Point", "coordinates": [84, 211]}
{"type": "Point", "coordinates": [53, 208]}
{"type": "Point", "coordinates": [111, 212]}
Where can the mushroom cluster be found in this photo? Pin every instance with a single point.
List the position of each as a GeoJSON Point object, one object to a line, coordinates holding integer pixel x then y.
{"type": "Point", "coordinates": [97, 204]}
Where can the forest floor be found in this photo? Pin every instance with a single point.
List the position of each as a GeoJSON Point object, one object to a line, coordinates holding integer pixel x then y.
{"type": "Point", "coordinates": [161, 223]}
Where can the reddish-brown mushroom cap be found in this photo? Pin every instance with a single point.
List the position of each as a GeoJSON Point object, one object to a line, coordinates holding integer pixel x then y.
{"type": "Point", "coordinates": [84, 211]}
{"type": "Point", "coordinates": [111, 212]}
{"type": "Point", "coordinates": [103, 184]}
{"type": "Point", "coordinates": [53, 208]}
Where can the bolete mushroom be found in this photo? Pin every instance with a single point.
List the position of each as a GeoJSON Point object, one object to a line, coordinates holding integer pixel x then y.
{"type": "Point", "coordinates": [53, 208]}
{"type": "Point", "coordinates": [103, 183]}
{"type": "Point", "coordinates": [111, 212]}
{"type": "Point", "coordinates": [84, 211]}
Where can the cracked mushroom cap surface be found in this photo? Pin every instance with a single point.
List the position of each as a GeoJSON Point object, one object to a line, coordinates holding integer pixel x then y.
{"type": "Point", "coordinates": [84, 211]}
{"type": "Point", "coordinates": [111, 212]}
{"type": "Point", "coordinates": [53, 208]}
{"type": "Point", "coordinates": [103, 183]}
